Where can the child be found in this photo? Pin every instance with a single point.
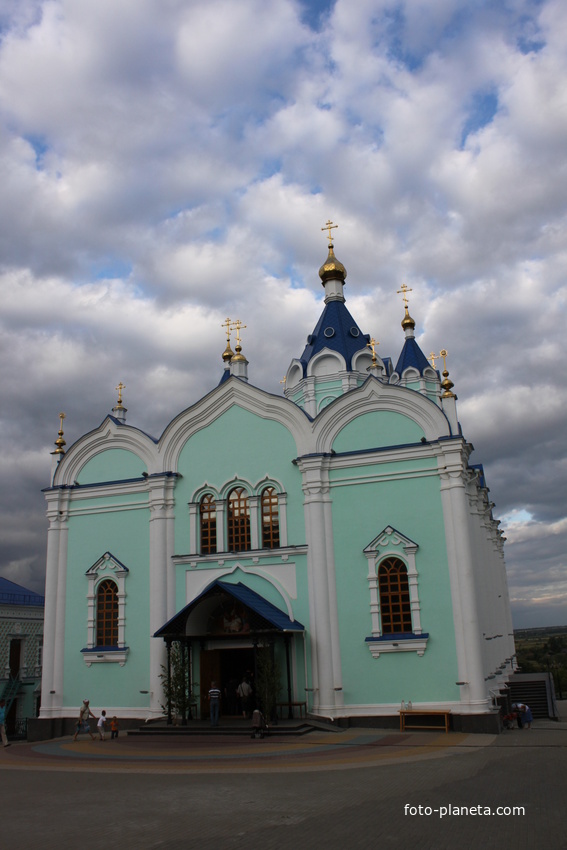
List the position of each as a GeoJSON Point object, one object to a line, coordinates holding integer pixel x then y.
{"type": "Point", "coordinates": [114, 728]}
{"type": "Point", "coordinates": [100, 725]}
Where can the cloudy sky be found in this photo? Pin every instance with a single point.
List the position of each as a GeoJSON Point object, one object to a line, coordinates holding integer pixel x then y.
{"type": "Point", "coordinates": [167, 163]}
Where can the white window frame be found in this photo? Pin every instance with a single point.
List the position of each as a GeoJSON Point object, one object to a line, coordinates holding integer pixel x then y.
{"type": "Point", "coordinates": [392, 544]}
{"type": "Point", "coordinates": [107, 567]}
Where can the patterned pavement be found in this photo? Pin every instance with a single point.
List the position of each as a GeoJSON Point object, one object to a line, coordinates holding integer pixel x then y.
{"type": "Point", "coordinates": [201, 754]}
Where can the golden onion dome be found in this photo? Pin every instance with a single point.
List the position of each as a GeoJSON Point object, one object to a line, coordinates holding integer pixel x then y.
{"type": "Point", "coordinates": [407, 321]}
{"type": "Point", "coordinates": [228, 353]}
{"type": "Point", "coordinates": [332, 268]}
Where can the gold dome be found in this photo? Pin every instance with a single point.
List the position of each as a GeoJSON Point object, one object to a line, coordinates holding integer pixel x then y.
{"type": "Point", "coordinates": [407, 321]}
{"type": "Point", "coordinates": [332, 268]}
{"type": "Point", "coordinates": [228, 353]}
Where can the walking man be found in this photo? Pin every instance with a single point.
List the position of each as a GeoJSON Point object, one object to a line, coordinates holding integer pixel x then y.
{"type": "Point", "coordinates": [214, 700]}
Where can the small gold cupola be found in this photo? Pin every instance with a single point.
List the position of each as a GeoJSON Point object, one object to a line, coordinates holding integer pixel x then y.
{"type": "Point", "coordinates": [332, 269]}
{"type": "Point", "coordinates": [408, 324]}
{"type": "Point", "coordinates": [60, 442]}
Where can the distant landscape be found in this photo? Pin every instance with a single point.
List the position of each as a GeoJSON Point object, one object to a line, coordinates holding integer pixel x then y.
{"type": "Point", "coordinates": [544, 650]}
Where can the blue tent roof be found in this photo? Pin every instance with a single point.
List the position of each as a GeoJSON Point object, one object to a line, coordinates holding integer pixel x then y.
{"type": "Point", "coordinates": [273, 619]}
{"type": "Point", "coordinates": [14, 594]}
{"type": "Point", "coordinates": [337, 330]}
{"type": "Point", "coordinates": [412, 356]}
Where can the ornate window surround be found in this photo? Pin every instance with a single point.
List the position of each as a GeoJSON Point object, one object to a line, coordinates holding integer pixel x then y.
{"type": "Point", "coordinates": [391, 543]}
{"type": "Point", "coordinates": [255, 505]}
{"type": "Point", "coordinates": [107, 567]}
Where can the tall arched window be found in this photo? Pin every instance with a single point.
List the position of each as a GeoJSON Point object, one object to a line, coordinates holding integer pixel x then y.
{"type": "Point", "coordinates": [107, 614]}
{"type": "Point", "coordinates": [393, 586]}
{"type": "Point", "coordinates": [270, 519]}
{"type": "Point", "coordinates": [208, 525]}
{"type": "Point", "coordinates": [238, 520]}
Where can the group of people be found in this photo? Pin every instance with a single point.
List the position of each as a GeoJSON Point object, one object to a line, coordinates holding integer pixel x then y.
{"type": "Point", "coordinates": [521, 714]}
{"type": "Point", "coordinates": [83, 723]}
{"type": "Point", "coordinates": [241, 695]}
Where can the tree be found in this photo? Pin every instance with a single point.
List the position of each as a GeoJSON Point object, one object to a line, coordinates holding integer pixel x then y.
{"type": "Point", "coordinates": [178, 691]}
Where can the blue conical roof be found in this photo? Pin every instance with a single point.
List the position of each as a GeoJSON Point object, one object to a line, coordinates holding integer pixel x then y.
{"type": "Point", "coordinates": [336, 330]}
{"type": "Point", "coordinates": [412, 356]}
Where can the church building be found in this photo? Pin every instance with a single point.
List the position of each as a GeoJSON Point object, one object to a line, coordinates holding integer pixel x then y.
{"type": "Point", "coordinates": [340, 523]}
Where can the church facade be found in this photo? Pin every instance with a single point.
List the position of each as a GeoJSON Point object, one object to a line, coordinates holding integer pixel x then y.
{"type": "Point", "coordinates": [341, 524]}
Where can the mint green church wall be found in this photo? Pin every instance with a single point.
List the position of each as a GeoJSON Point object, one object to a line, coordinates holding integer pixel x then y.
{"type": "Point", "coordinates": [360, 513]}
{"type": "Point", "coordinates": [376, 429]}
{"type": "Point", "coordinates": [112, 465]}
{"type": "Point", "coordinates": [125, 534]}
{"type": "Point", "coordinates": [241, 444]}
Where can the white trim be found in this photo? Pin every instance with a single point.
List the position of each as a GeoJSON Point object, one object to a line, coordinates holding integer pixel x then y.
{"type": "Point", "coordinates": [107, 567]}
{"type": "Point", "coordinates": [378, 647]}
{"type": "Point", "coordinates": [117, 656]}
{"type": "Point", "coordinates": [391, 543]}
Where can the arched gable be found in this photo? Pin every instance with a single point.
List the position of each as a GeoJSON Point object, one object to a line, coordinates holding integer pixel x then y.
{"type": "Point", "coordinates": [232, 393]}
{"type": "Point", "coordinates": [109, 436]}
{"type": "Point", "coordinates": [374, 396]}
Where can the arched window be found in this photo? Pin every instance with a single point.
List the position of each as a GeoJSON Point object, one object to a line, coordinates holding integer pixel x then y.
{"type": "Point", "coordinates": [107, 614]}
{"type": "Point", "coordinates": [393, 586]}
{"type": "Point", "coordinates": [238, 520]}
{"type": "Point", "coordinates": [208, 525]}
{"type": "Point", "coordinates": [270, 519]}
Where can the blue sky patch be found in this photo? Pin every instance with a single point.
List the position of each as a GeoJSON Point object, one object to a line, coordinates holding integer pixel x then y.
{"type": "Point", "coordinates": [482, 110]}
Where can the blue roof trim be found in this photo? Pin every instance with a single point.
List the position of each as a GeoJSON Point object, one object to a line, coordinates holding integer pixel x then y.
{"type": "Point", "coordinates": [412, 357]}
{"type": "Point", "coordinates": [336, 317]}
{"type": "Point", "coordinates": [248, 597]}
{"type": "Point", "coordinates": [14, 594]}
{"type": "Point", "coordinates": [225, 377]}
{"type": "Point", "coordinates": [111, 483]}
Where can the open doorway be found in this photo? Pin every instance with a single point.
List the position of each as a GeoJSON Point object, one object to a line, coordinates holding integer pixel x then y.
{"type": "Point", "coordinates": [226, 667]}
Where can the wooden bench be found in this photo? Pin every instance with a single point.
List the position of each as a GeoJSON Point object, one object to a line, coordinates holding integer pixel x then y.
{"type": "Point", "coordinates": [302, 706]}
{"type": "Point", "coordinates": [423, 713]}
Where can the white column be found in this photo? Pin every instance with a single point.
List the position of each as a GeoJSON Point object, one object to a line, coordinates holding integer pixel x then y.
{"type": "Point", "coordinates": [282, 518]}
{"type": "Point", "coordinates": [161, 515]}
{"type": "Point", "coordinates": [254, 531]}
{"type": "Point", "coordinates": [468, 633]}
{"type": "Point", "coordinates": [220, 511]}
{"type": "Point", "coordinates": [323, 614]}
{"type": "Point", "coordinates": [51, 578]}
{"type": "Point", "coordinates": [193, 528]}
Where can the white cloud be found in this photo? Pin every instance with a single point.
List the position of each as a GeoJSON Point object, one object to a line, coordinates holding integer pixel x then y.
{"type": "Point", "coordinates": [166, 164]}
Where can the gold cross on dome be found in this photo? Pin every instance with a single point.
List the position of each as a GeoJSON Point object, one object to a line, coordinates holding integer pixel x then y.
{"type": "Point", "coordinates": [283, 380]}
{"type": "Point", "coordinates": [405, 289]}
{"type": "Point", "coordinates": [443, 353]}
{"type": "Point", "coordinates": [237, 325]}
{"type": "Point", "coordinates": [227, 324]}
{"type": "Point", "coordinates": [330, 226]}
{"type": "Point", "coordinates": [120, 387]}
{"type": "Point", "coordinates": [372, 345]}
{"type": "Point", "coordinates": [433, 357]}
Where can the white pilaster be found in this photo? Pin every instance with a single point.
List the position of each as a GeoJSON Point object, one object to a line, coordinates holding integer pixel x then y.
{"type": "Point", "coordinates": [468, 632]}
{"type": "Point", "coordinates": [323, 613]}
{"type": "Point", "coordinates": [161, 514]}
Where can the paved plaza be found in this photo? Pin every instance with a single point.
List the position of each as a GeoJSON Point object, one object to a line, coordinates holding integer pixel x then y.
{"type": "Point", "coordinates": [353, 789]}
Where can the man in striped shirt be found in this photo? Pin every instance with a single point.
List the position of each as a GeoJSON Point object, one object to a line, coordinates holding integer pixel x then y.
{"type": "Point", "coordinates": [214, 700]}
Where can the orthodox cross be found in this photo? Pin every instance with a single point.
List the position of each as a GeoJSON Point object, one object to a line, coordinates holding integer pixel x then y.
{"type": "Point", "coordinates": [405, 289]}
{"type": "Point", "coordinates": [226, 324]}
{"type": "Point", "coordinates": [372, 345]}
{"type": "Point", "coordinates": [120, 387]}
{"type": "Point", "coordinates": [330, 226]}
{"type": "Point", "coordinates": [433, 357]}
{"type": "Point", "coordinates": [443, 353]}
{"type": "Point", "coordinates": [237, 325]}
{"type": "Point", "coordinates": [283, 380]}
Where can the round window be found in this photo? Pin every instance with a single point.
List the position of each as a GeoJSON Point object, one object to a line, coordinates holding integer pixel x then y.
{"type": "Point", "coordinates": [329, 332]}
